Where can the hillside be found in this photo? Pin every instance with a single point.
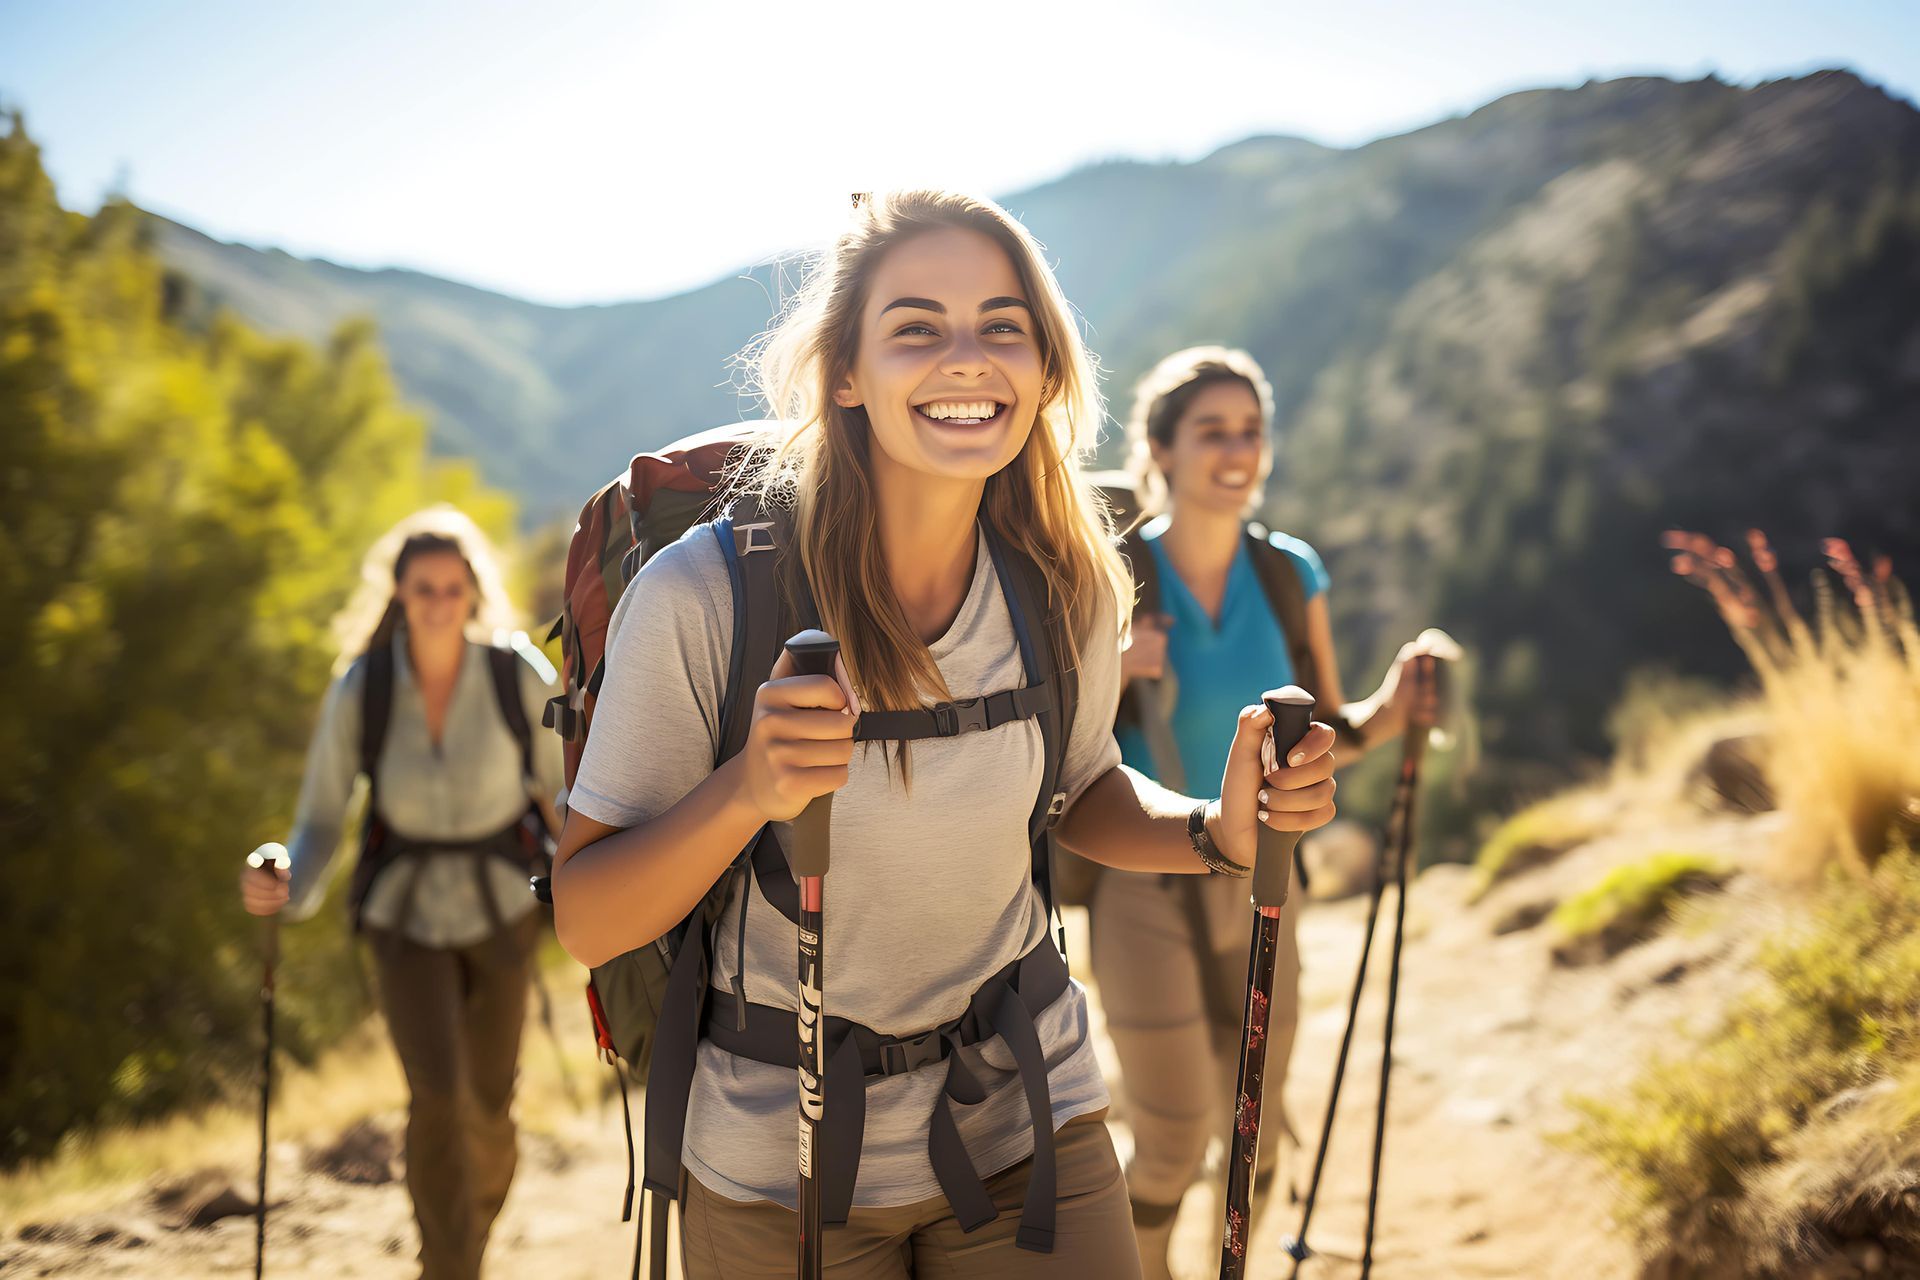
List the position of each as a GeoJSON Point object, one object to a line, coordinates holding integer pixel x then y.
{"type": "Point", "coordinates": [1508, 349]}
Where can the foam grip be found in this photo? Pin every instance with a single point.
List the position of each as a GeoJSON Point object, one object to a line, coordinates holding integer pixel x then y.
{"type": "Point", "coordinates": [813, 654]}
{"type": "Point", "coordinates": [1292, 711]}
{"type": "Point", "coordinates": [273, 853]}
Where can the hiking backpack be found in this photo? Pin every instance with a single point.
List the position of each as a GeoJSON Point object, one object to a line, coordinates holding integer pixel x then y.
{"type": "Point", "coordinates": [650, 1004]}
{"type": "Point", "coordinates": [526, 844]}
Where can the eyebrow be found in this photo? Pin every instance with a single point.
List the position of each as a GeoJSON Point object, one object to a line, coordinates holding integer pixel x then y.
{"type": "Point", "coordinates": [928, 304]}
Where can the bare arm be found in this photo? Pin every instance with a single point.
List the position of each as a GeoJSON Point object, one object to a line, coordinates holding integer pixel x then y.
{"type": "Point", "coordinates": [1126, 820]}
{"type": "Point", "coordinates": [615, 889]}
{"type": "Point", "coordinates": [1382, 715]}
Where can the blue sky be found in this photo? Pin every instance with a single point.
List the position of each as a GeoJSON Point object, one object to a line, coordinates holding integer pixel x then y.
{"type": "Point", "coordinates": [574, 151]}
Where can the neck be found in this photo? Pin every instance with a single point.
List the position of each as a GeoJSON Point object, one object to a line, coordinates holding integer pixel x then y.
{"type": "Point", "coordinates": [1201, 542]}
{"type": "Point", "coordinates": [435, 657]}
{"type": "Point", "coordinates": [928, 539]}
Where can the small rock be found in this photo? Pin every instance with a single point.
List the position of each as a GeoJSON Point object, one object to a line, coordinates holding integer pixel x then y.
{"type": "Point", "coordinates": [367, 1154]}
{"type": "Point", "coordinates": [1736, 770]}
{"type": "Point", "coordinates": [1523, 917]}
{"type": "Point", "coordinates": [202, 1199]}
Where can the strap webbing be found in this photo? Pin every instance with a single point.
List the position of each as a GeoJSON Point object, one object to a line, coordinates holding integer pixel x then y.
{"type": "Point", "coordinates": [1005, 1006]}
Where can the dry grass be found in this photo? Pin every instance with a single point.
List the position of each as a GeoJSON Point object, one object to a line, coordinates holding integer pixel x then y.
{"type": "Point", "coordinates": [1803, 1108]}
{"type": "Point", "coordinates": [358, 1078]}
{"type": "Point", "coordinates": [1842, 696]}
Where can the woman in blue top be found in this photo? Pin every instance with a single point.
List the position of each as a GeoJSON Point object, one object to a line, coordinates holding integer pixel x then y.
{"type": "Point", "coordinates": [1171, 959]}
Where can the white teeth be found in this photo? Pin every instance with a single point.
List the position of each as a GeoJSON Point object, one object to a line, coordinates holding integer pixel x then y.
{"type": "Point", "coordinates": [1234, 478]}
{"type": "Point", "coordinates": [969, 410]}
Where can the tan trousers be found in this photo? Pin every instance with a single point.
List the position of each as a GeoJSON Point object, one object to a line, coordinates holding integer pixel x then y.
{"type": "Point", "coordinates": [723, 1239]}
{"type": "Point", "coordinates": [1178, 1057]}
{"type": "Point", "coordinates": [455, 1015]}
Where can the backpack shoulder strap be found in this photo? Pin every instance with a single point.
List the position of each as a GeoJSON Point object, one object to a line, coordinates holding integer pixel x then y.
{"type": "Point", "coordinates": [376, 708]}
{"type": "Point", "coordinates": [767, 608]}
{"type": "Point", "coordinates": [1040, 631]}
{"type": "Point", "coordinates": [503, 664]}
{"type": "Point", "coordinates": [1280, 583]}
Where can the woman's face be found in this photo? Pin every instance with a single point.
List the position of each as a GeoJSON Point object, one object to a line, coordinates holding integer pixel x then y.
{"type": "Point", "coordinates": [437, 592]}
{"type": "Point", "coordinates": [1220, 455]}
{"type": "Point", "coordinates": [948, 367]}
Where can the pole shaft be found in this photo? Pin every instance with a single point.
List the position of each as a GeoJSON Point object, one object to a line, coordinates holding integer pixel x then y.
{"type": "Point", "coordinates": [1248, 1091]}
{"type": "Point", "coordinates": [270, 955]}
{"type": "Point", "coordinates": [1405, 814]}
{"type": "Point", "coordinates": [812, 1070]}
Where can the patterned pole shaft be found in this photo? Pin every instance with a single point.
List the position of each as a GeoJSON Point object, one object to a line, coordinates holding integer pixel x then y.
{"type": "Point", "coordinates": [1292, 709]}
{"type": "Point", "coordinates": [813, 653]}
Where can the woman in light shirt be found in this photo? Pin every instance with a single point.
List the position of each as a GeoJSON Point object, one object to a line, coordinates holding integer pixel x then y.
{"type": "Point", "coordinates": [936, 396]}
{"type": "Point", "coordinates": [440, 722]}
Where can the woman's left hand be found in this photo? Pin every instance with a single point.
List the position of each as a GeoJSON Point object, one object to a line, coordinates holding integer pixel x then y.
{"type": "Point", "coordinates": [1295, 795]}
{"type": "Point", "coordinates": [1394, 690]}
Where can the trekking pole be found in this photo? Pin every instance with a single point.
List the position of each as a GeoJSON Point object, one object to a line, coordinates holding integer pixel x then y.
{"type": "Point", "coordinates": [278, 857]}
{"type": "Point", "coordinates": [1292, 709]}
{"type": "Point", "coordinates": [1425, 672]}
{"type": "Point", "coordinates": [813, 653]}
{"type": "Point", "coordinates": [1297, 1247]}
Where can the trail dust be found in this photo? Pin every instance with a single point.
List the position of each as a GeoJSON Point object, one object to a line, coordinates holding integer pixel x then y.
{"type": "Point", "coordinates": [1491, 1037]}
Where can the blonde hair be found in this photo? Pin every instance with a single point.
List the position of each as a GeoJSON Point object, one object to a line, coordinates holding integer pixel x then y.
{"type": "Point", "coordinates": [374, 611]}
{"type": "Point", "coordinates": [1040, 503]}
{"type": "Point", "coordinates": [1161, 399]}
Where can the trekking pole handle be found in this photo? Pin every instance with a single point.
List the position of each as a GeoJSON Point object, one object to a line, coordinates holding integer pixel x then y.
{"type": "Point", "coordinates": [1292, 711]}
{"type": "Point", "coordinates": [273, 852]}
{"type": "Point", "coordinates": [814, 653]}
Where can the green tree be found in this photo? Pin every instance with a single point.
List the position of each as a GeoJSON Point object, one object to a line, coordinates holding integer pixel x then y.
{"type": "Point", "coordinates": [181, 514]}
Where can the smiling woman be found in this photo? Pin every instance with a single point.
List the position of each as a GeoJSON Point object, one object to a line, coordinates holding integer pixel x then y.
{"type": "Point", "coordinates": [928, 486]}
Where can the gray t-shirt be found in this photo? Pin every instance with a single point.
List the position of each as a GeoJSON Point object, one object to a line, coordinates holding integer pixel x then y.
{"type": "Point", "coordinates": [930, 892]}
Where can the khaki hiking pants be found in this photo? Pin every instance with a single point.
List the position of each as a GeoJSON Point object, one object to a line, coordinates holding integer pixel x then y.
{"type": "Point", "coordinates": [722, 1239]}
{"type": "Point", "coordinates": [455, 1015]}
{"type": "Point", "coordinates": [1174, 1011]}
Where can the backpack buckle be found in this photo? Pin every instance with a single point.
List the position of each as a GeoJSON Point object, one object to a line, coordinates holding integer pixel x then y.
{"type": "Point", "coordinates": [953, 718]}
{"type": "Point", "coordinates": [1056, 808]}
{"type": "Point", "coordinates": [898, 1057]}
{"type": "Point", "coordinates": [749, 538]}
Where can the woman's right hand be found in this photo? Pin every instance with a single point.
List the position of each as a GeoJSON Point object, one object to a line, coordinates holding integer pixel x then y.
{"type": "Point", "coordinates": [1145, 657]}
{"type": "Point", "coordinates": [801, 742]}
{"type": "Point", "coordinates": [263, 890]}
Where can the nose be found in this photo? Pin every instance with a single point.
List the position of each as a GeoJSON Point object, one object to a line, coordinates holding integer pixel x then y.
{"type": "Point", "coordinates": [966, 357]}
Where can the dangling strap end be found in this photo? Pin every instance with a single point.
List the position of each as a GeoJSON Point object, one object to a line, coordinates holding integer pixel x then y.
{"type": "Point", "coordinates": [1033, 1239]}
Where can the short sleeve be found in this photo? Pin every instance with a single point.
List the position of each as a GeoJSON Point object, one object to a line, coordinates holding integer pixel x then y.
{"type": "Point", "coordinates": [656, 721]}
{"type": "Point", "coordinates": [1313, 573]}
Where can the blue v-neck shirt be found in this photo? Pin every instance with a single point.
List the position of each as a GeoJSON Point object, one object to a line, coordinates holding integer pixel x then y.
{"type": "Point", "coordinates": [1220, 668]}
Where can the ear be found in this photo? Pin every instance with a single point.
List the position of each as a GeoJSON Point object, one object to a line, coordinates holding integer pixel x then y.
{"type": "Point", "coordinates": [846, 397]}
{"type": "Point", "coordinates": [1158, 452]}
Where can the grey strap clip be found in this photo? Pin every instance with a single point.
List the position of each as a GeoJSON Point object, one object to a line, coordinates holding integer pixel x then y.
{"type": "Point", "coordinates": [749, 538]}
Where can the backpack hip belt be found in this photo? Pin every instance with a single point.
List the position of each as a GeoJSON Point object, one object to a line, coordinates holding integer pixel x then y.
{"type": "Point", "coordinates": [1005, 1005]}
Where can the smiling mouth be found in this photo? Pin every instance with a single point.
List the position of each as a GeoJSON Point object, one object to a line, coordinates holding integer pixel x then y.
{"type": "Point", "coordinates": [1233, 479]}
{"type": "Point", "coordinates": [960, 413]}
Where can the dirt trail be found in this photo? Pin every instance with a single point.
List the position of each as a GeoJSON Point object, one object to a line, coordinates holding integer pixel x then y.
{"type": "Point", "coordinates": [1492, 1037]}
